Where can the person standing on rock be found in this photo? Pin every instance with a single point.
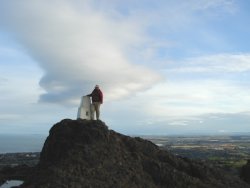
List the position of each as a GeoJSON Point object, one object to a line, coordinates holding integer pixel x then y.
{"type": "Point", "coordinates": [97, 100]}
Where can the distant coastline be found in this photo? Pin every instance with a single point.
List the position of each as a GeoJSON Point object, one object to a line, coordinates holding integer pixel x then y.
{"type": "Point", "coordinates": [15, 143]}
{"type": "Point", "coordinates": [20, 143]}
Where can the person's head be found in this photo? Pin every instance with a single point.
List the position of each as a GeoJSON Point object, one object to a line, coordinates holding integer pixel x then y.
{"type": "Point", "coordinates": [96, 86]}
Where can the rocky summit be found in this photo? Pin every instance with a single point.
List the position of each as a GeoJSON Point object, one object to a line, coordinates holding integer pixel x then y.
{"type": "Point", "coordinates": [86, 154]}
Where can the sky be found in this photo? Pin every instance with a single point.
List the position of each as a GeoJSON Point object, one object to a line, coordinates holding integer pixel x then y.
{"type": "Point", "coordinates": [166, 67]}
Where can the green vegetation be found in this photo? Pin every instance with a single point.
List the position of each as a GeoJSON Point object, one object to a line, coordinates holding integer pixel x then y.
{"type": "Point", "coordinates": [228, 152]}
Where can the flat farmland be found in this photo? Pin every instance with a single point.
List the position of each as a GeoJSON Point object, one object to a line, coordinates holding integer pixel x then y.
{"type": "Point", "coordinates": [228, 152]}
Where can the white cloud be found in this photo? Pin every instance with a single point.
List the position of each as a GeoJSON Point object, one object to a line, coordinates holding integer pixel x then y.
{"type": "Point", "coordinates": [78, 47]}
{"type": "Point", "coordinates": [178, 123]}
{"type": "Point", "coordinates": [182, 14]}
{"type": "Point", "coordinates": [193, 98]}
{"type": "Point", "coordinates": [227, 5]}
{"type": "Point", "coordinates": [3, 80]}
{"type": "Point", "coordinates": [82, 43]}
{"type": "Point", "coordinates": [218, 63]}
{"type": "Point", "coordinates": [9, 116]}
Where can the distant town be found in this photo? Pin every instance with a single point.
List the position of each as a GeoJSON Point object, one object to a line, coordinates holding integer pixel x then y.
{"type": "Point", "coordinates": [228, 152]}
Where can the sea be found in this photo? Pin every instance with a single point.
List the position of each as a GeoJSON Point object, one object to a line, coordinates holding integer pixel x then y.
{"type": "Point", "coordinates": [19, 143]}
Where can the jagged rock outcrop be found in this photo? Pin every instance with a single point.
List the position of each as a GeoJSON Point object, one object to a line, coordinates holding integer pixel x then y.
{"type": "Point", "coordinates": [86, 154]}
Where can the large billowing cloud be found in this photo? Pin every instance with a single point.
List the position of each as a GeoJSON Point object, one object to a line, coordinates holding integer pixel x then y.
{"type": "Point", "coordinates": [78, 47]}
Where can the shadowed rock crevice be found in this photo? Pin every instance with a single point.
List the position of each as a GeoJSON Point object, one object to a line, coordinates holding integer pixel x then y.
{"type": "Point", "coordinates": [86, 154]}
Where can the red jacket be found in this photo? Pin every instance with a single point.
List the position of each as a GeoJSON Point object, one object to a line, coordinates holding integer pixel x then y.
{"type": "Point", "coordinates": [96, 95]}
